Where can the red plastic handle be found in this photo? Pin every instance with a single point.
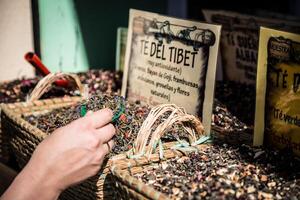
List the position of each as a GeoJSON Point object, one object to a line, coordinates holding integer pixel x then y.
{"type": "Point", "coordinates": [36, 62]}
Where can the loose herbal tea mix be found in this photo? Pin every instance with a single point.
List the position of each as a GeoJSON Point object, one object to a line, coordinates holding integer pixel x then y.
{"type": "Point", "coordinates": [232, 121]}
{"type": "Point", "coordinates": [239, 98]}
{"type": "Point", "coordinates": [17, 90]}
{"type": "Point", "coordinates": [278, 99]}
{"type": "Point", "coordinates": [102, 81]}
{"type": "Point", "coordinates": [228, 128]}
{"type": "Point", "coordinates": [224, 119]}
{"type": "Point", "coordinates": [99, 81]}
{"type": "Point", "coordinates": [226, 172]}
{"type": "Point", "coordinates": [128, 118]}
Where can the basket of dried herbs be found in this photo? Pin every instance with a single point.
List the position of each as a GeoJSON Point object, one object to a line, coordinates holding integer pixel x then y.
{"type": "Point", "coordinates": [227, 127]}
{"type": "Point", "coordinates": [20, 142]}
{"type": "Point", "coordinates": [9, 93]}
{"type": "Point", "coordinates": [144, 154]}
{"type": "Point", "coordinates": [239, 98]}
{"type": "Point", "coordinates": [17, 91]}
{"type": "Point", "coordinates": [213, 171]}
{"type": "Point", "coordinates": [233, 112]}
{"type": "Point", "coordinates": [98, 81]}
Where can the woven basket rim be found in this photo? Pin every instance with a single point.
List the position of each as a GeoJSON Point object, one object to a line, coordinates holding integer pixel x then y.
{"type": "Point", "coordinates": [120, 170]}
{"type": "Point", "coordinates": [125, 163]}
{"type": "Point", "coordinates": [10, 110]}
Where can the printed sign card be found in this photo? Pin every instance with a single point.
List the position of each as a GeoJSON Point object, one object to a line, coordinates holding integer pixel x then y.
{"type": "Point", "coordinates": [121, 48]}
{"type": "Point", "coordinates": [239, 41]}
{"type": "Point", "coordinates": [170, 60]}
{"type": "Point", "coordinates": [278, 90]}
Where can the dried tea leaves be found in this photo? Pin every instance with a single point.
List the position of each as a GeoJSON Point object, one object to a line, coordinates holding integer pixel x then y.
{"type": "Point", "coordinates": [239, 98]}
{"type": "Point", "coordinates": [127, 125]}
{"type": "Point", "coordinates": [227, 172]}
{"type": "Point", "coordinates": [98, 81]}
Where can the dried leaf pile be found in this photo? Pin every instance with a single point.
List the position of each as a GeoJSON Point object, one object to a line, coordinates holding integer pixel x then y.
{"type": "Point", "coordinates": [227, 172]}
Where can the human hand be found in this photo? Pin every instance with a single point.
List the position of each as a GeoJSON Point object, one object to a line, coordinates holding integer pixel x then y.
{"type": "Point", "coordinates": [70, 154]}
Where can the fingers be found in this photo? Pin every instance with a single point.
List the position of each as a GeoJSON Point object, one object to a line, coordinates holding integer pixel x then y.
{"type": "Point", "coordinates": [107, 147]}
{"type": "Point", "coordinates": [106, 133]}
{"type": "Point", "coordinates": [103, 150]}
{"type": "Point", "coordinates": [99, 118]}
{"type": "Point", "coordinates": [110, 145]}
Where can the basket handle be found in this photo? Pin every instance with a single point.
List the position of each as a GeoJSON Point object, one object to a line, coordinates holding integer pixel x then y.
{"type": "Point", "coordinates": [45, 84]}
{"type": "Point", "coordinates": [191, 124]}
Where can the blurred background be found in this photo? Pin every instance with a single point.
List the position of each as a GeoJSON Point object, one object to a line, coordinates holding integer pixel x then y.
{"type": "Point", "coordinates": [76, 35]}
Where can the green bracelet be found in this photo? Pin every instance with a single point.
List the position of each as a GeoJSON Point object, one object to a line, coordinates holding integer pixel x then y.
{"type": "Point", "coordinates": [83, 110]}
{"type": "Point", "coordinates": [118, 113]}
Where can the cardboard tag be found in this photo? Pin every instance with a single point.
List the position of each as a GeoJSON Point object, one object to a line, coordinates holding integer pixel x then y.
{"type": "Point", "coordinates": [239, 42]}
{"type": "Point", "coordinates": [121, 48]}
{"type": "Point", "coordinates": [278, 90]}
{"type": "Point", "coordinates": [170, 60]}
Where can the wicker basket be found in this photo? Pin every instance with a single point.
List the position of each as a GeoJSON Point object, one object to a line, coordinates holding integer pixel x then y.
{"type": "Point", "coordinates": [5, 153]}
{"type": "Point", "coordinates": [233, 137]}
{"type": "Point", "coordinates": [4, 147]}
{"type": "Point", "coordinates": [21, 143]}
{"type": "Point", "coordinates": [129, 187]}
{"type": "Point", "coordinates": [123, 171]}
